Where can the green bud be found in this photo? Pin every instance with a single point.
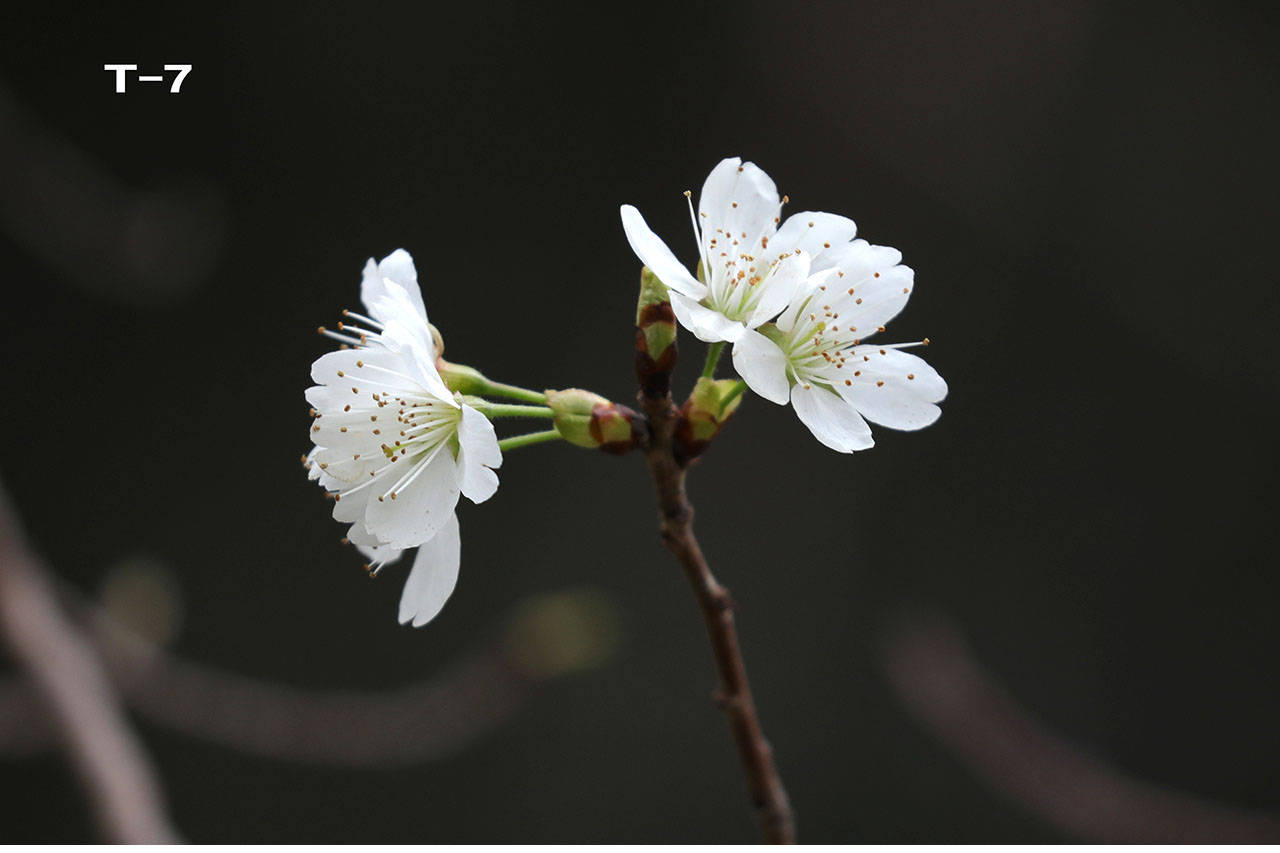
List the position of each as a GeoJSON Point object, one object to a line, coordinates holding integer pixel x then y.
{"type": "Point", "coordinates": [652, 292]}
{"type": "Point", "coordinates": [589, 420]}
{"type": "Point", "coordinates": [710, 406]}
{"type": "Point", "coordinates": [653, 315]}
{"type": "Point", "coordinates": [656, 349]}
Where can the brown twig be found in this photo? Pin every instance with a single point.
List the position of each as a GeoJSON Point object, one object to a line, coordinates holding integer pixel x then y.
{"type": "Point", "coordinates": [676, 524]}
{"type": "Point", "coordinates": [63, 666]}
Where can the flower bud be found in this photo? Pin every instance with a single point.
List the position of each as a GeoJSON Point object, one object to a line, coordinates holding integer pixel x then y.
{"type": "Point", "coordinates": [589, 420]}
{"type": "Point", "coordinates": [654, 317]}
{"type": "Point", "coordinates": [655, 336]}
{"type": "Point", "coordinates": [710, 406]}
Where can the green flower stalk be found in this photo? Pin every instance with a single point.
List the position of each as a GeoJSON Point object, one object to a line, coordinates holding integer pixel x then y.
{"type": "Point", "coordinates": [467, 380]}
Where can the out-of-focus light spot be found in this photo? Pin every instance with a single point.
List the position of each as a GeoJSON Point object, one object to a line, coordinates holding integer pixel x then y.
{"type": "Point", "coordinates": [141, 596]}
{"type": "Point", "coordinates": [559, 633]}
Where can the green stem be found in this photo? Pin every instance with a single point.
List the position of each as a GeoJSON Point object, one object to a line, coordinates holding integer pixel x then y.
{"type": "Point", "coordinates": [513, 392]}
{"type": "Point", "coordinates": [734, 393]}
{"type": "Point", "coordinates": [507, 410]}
{"type": "Point", "coordinates": [525, 440]}
{"type": "Point", "coordinates": [713, 358]}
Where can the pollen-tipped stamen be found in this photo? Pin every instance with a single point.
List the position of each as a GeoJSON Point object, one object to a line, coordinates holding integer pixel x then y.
{"type": "Point", "coordinates": [362, 319]}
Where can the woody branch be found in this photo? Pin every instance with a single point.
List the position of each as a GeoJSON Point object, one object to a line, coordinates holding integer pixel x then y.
{"type": "Point", "coordinates": [668, 459]}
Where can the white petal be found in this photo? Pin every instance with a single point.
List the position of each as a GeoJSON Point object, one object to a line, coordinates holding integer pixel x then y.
{"type": "Point", "coordinates": [706, 324]}
{"type": "Point", "coordinates": [376, 369]}
{"type": "Point", "coordinates": [322, 476]}
{"type": "Point", "coordinates": [422, 365]}
{"type": "Point", "coordinates": [324, 398]}
{"type": "Point", "coordinates": [476, 481]}
{"type": "Point", "coordinates": [353, 507]}
{"type": "Point", "coordinates": [404, 326]}
{"type": "Point", "coordinates": [406, 366]}
{"type": "Point", "coordinates": [375, 552]}
{"type": "Point", "coordinates": [763, 366]}
{"type": "Point", "coordinates": [433, 576]}
{"type": "Point", "coordinates": [339, 469]}
{"type": "Point", "coordinates": [354, 431]}
{"type": "Point", "coordinates": [895, 365]}
{"type": "Point", "coordinates": [398, 267]}
{"type": "Point", "coordinates": [478, 453]}
{"type": "Point", "coordinates": [351, 433]}
{"type": "Point", "coordinates": [399, 302]}
{"type": "Point", "coordinates": [360, 536]}
{"type": "Point", "coordinates": [859, 258]}
{"type": "Point", "coordinates": [808, 289]}
{"type": "Point", "coordinates": [313, 470]}
{"type": "Point", "coordinates": [655, 255]}
{"type": "Point", "coordinates": [738, 202]}
{"type": "Point", "coordinates": [717, 189]}
{"type": "Point", "coordinates": [476, 434]}
{"type": "Point", "coordinates": [883, 392]}
{"type": "Point", "coordinates": [871, 287]}
{"type": "Point", "coordinates": [831, 420]}
{"type": "Point", "coordinates": [370, 285]}
{"type": "Point", "coordinates": [780, 287]}
{"type": "Point", "coordinates": [816, 233]}
{"type": "Point", "coordinates": [419, 509]}
{"type": "Point", "coordinates": [351, 378]}
{"type": "Point", "coordinates": [380, 555]}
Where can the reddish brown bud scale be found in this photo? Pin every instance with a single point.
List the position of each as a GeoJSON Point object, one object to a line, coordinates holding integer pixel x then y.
{"type": "Point", "coordinates": [588, 420]}
{"type": "Point", "coordinates": [656, 349]}
{"type": "Point", "coordinates": [605, 427]}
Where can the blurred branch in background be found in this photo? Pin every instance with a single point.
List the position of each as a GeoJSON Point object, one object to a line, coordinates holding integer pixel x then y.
{"type": "Point", "coordinates": [65, 673]}
{"type": "Point", "coordinates": [72, 663]}
{"type": "Point", "coordinates": [546, 637]}
{"type": "Point", "coordinates": [946, 690]}
{"type": "Point", "coordinates": [95, 230]}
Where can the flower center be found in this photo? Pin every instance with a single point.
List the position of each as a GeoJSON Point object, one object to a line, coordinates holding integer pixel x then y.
{"type": "Point", "coordinates": [736, 265]}
{"type": "Point", "coordinates": [819, 347]}
{"type": "Point", "coordinates": [424, 425]}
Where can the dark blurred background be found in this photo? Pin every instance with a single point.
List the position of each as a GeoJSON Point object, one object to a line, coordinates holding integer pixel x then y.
{"type": "Point", "coordinates": [1085, 190]}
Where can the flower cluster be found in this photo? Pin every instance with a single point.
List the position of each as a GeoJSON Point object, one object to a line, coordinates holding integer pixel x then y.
{"type": "Point", "coordinates": [400, 434]}
{"type": "Point", "coordinates": [797, 299]}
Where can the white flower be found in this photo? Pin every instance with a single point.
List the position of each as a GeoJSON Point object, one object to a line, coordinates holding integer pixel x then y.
{"type": "Point", "coordinates": [814, 356]}
{"type": "Point", "coordinates": [837, 291]}
{"type": "Point", "coordinates": [751, 266]}
{"type": "Point", "coordinates": [393, 444]}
